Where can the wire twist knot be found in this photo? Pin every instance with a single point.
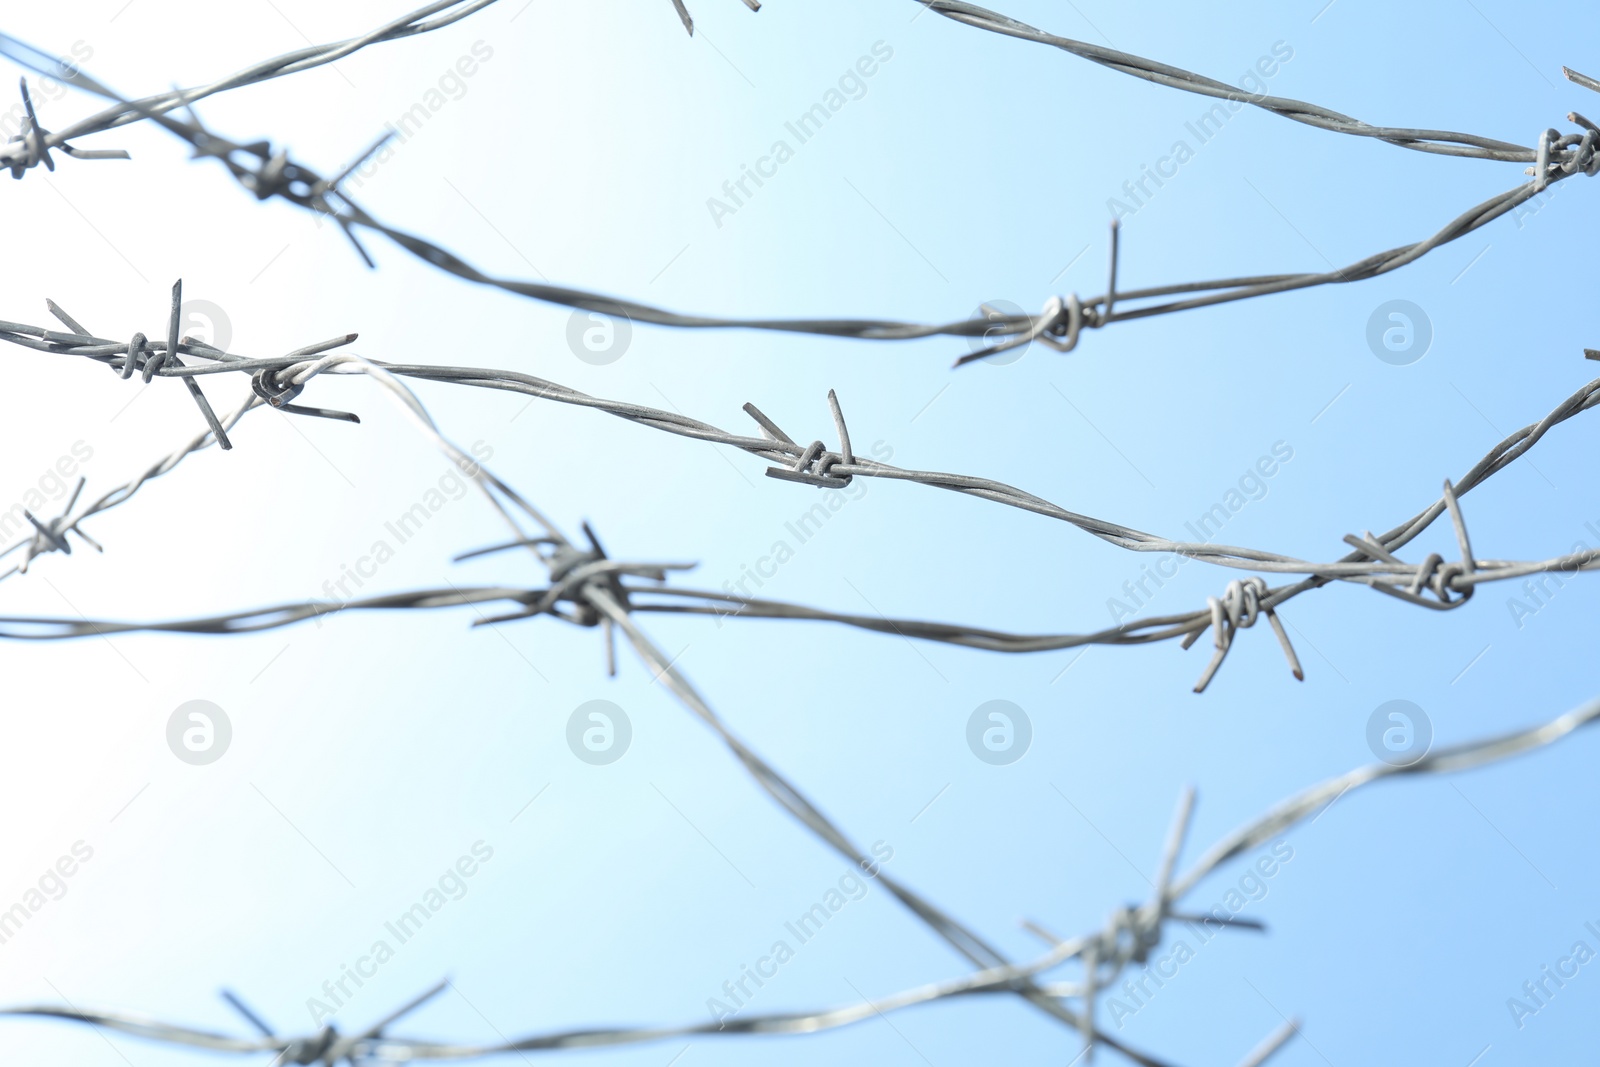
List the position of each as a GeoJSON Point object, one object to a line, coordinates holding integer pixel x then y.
{"type": "Point", "coordinates": [33, 144]}
{"type": "Point", "coordinates": [309, 1050]}
{"type": "Point", "coordinates": [576, 575]}
{"type": "Point", "coordinates": [1561, 156]}
{"type": "Point", "coordinates": [814, 464]}
{"type": "Point", "coordinates": [1240, 605]}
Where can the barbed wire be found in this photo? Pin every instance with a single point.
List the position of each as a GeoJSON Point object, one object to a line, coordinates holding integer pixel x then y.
{"type": "Point", "coordinates": [1434, 582]}
{"type": "Point", "coordinates": [32, 146]}
{"type": "Point", "coordinates": [1131, 933]}
{"type": "Point", "coordinates": [149, 357]}
{"type": "Point", "coordinates": [588, 588]}
{"type": "Point", "coordinates": [270, 174]}
{"type": "Point", "coordinates": [592, 584]}
{"type": "Point", "coordinates": [1439, 142]}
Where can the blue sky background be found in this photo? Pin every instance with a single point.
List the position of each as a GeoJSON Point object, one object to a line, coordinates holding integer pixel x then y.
{"type": "Point", "coordinates": [372, 752]}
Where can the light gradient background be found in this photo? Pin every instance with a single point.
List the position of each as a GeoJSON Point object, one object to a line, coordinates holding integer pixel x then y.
{"type": "Point", "coordinates": [975, 168]}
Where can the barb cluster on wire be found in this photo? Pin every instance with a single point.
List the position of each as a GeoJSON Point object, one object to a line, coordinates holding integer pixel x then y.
{"type": "Point", "coordinates": [149, 358]}
{"type": "Point", "coordinates": [267, 174]}
{"type": "Point", "coordinates": [586, 587]}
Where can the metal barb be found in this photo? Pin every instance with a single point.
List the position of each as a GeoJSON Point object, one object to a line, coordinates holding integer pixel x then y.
{"type": "Point", "coordinates": [249, 1016]}
{"type": "Point", "coordinates": [688, 23]}
{"type": "Point", "coordinates": [814, 464]}
{"type": "Point", "coordinates": [1272, 1043]}
{"type": "Point", "coordinates": [1111, 280]}
{"type": "Point", "coordinates": [1580, 79]}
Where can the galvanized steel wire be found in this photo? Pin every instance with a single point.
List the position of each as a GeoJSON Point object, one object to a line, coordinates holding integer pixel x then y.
{"type": "Point", "coordinates": [1432, 582]}
{"type": "Point", "coordinates": [586, 587]}
{"type": "Point", "coordinates": [1128, 937]}
{"type": "Point", "coordinates": [1439, 142]}
{"type": "Point", "coordinates": [267, 174]}
{"type": "Point", "coordinates": [591, 588]}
